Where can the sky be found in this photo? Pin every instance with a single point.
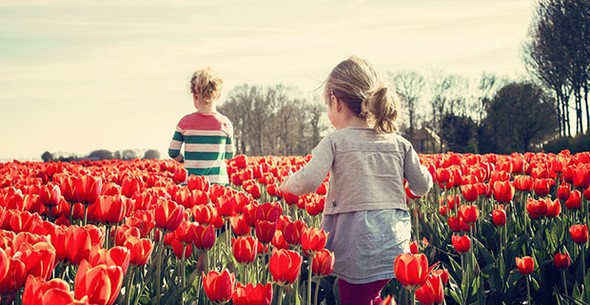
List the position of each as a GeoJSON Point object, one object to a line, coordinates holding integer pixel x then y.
{"type": "Point", "coordinates": [78, 75]}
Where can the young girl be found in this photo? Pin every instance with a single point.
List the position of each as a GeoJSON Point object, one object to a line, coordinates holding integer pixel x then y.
{"type": "Point", "coordinates": [207, 135]}
{"type": "Point", "coordinates": [365, 212]}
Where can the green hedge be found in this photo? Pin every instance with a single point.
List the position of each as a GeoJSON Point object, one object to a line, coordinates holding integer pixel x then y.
{"type": "Point", "coordinates": [575, 144]}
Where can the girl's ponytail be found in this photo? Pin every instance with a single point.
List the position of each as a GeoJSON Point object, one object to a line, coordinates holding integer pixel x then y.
{"type": "Point", "coordinates": [383, 106]}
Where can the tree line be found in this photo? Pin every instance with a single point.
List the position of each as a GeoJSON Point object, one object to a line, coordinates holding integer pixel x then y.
{"type": "Point", "coordinates": [487, 114]}
{"type": "Point", "coordinates": [558, 55]}
{"type": "Point", "coordinates": [103, 154]}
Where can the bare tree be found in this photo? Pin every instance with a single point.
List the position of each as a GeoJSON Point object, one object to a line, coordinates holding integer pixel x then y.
{"type": "Point", "coordinates": [518, 116]}
{"type": "Point", "coordinates": [558, 54]}
{"type": "Point", "coordinates": [410, 86]}
{"type": "Point", "coordinates": [273, 120]}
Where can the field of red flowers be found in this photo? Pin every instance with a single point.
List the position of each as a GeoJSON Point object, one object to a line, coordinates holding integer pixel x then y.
{"type": "Point", "coordinates": [495, 229]}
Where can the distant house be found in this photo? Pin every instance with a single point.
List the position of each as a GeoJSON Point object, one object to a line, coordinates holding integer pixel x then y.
{"type": "Point", "coordinates": [426, 141]}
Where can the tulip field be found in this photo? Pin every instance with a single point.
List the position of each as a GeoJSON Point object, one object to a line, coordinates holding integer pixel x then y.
{"type": "Point", "coordinates": [494, 229]}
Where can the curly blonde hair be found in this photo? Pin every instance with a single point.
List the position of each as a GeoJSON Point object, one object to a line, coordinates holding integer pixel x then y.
{"type": "Point", "coordinates": [206, 83]}
{"type": "Point", "coordinates": [365, 92]}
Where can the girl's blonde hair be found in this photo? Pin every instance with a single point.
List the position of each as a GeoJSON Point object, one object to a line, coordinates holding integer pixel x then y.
{"type": "Point", "coordinates": [365, 92]}
{"type": "Point", "coordinates": [206, 83]}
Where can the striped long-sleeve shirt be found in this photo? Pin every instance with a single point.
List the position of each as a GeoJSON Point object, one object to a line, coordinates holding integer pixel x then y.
{"type": "Point", "coordinates": [208, 142]}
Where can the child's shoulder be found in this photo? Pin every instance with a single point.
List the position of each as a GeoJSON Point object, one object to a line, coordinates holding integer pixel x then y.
{"type": "Point", "coordinates": [368, 135]}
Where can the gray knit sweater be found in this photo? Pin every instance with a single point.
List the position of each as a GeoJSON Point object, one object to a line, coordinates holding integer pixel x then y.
{"type": "Point", "coordinates": [367, 171]}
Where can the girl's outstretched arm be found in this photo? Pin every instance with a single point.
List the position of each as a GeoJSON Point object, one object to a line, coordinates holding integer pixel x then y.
{"type": "Point", "coordinates": [313, 174]}
{"type": "Point", "coordinates": [418, 176]}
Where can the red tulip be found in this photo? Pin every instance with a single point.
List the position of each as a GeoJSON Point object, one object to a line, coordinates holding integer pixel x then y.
{"type": "Point", "coordinates": [265, 230]}
{"type": "Point", "coordinates": [411, 270]}
{"type": "Point", "coordinates": [140, 250]}
{"type": "Point", "coordinates": [537, 208]}
{"type": "Point", "coordinates": [219, 286]}
{"type": "Point", "coordinates": [39, 259]}
{"type": "Point", "coordinates": [204, 237]}
{"type": "Point", "coordinates": [523, 183]}
{"type": "Point", "coordinates": [252, 188]}
{"type": "Point", "coordinates": [323, 263]}
{"type": "Point", "coordinates": [469, 192]}
{"type": "Point", "coordinates": [278, 241]}
{"type": "Point", "coordinates": [181, 250]}
{"type": "Point", "coordinates": [226, 206]}
{"type": "Point", "coordinates": [204, 214]}
{"type": "Point", "coordinates": [109, 209]}
{"type": "Point", "coordinates": [315, 205]}
{"type": "Point", "coordinates": [414, 247]}
{"type": "Point", "coordinates": [443, 273]}
{"type": "Point", "coordinates": [77, 244]}
{"type": "Point", "coordinates": [292, 231]}
{"type": "Point", "coordinates": [239, 225]}
{"type": "Point", "coordinates": [180, 175]}
{"type": "Point", "coordinates": [499, 216]}
{"type": "Point", "coordinates": [442, 210]}
{"type": "Point", "coordinates": [269, 211]}
{"type": "Point", "coordinates": [553, 207]}
{"type": "Point", "coordinates": [432, 291]}
{"type": "Point", "coordinates": [50, 195]}
{"type": "Point", "coordinates": [39, 291]}
{"type": "Point", "coordinates": [561, 260]}
{"type": "Point", "coordinates": [285, 266]}
{"type": "Point", "coordinates": [461, 243]}
{"type": "Point", "coordinates": [200, 183]}
{"type": "Point", "coordinates": [101, 284]}
{"type": "Point", "coordinates": [290, 198]}
{"type": "Point", "coordinates": [525, 265]}
{"type": "Point", "coordinates": [130, 186]}
{"type": "Point", "coordinates": [579, 233]}
{"type": "Point", "coordinates": [543, 186]}
{"type": "Point", "coordinates": [581, 176]}
{"type": "Point", "coordinates": [457, 224]}
{"type": "Point", "coordinates": [88, 189]}
{"type": "Point", "coordinates": [563, 191]}
{"type": "Point", "coordinates": [574, 201]}
{"type": "Point", "coordinates": [115, 256]}
{"type": "Point", "coordinates": [4, 264]}
{"type": "Point", "coordinates": [15, 278]}
{"type": "Point", "coordinates": [313, 239]}
{"type": "Point", "coordinates": [168, 215]}
{"type": "Point", "coordinates": [252, 295]}
{"type": "Point", "coordinates": [274, 190]}
{"type": "Point", "coordinates": [244, 249]}
{"type": "Point", "coordinates": [503, 191]}
{"type": "Point", "coordinates": [469, 213]}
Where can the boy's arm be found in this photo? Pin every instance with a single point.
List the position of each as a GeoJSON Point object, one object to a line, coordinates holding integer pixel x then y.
{"type": "Point", "coordinates": [175, 145]}
{"type": "Point", "coordinates": [229, 142]}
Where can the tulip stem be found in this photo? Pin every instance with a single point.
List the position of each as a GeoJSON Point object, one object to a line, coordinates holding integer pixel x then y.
{"type": "Point", "coordinates": [183, 273]}
{"type": "Point", "coordinates": [128, 286]}
{"type": "Point", "coordinates": [564, 280]}
{"type": "Point", "coordinates": [317, 291]}
{"type": "Point", "coordinates": [309, 272]}
{"type": "Point", "coordinates": [106, 236]}
{"type": "Point", "coordinates": [85, 214]}
{"type": "Point", "coordinates": [280, 296]}
{"type": "Point", "coordinates": [583, 254]}
{"type": "Point", "coordinates": [528, 289]}
{"type": "Point", "coordinates": [158, 268]}
{"type": "Point", "coordinates": [72, 213]}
